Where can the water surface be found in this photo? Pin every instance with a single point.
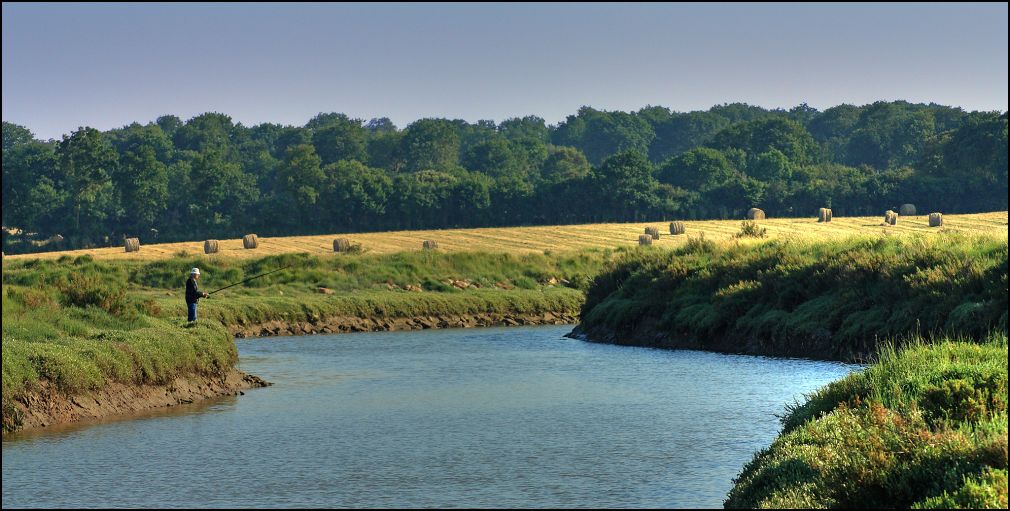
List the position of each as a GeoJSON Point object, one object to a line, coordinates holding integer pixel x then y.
{"type": "Point", "coordinates": [500, 417]}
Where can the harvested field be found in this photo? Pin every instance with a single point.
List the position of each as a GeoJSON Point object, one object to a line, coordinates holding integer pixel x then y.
{"type": "Point", "coordinates": [553, 237]}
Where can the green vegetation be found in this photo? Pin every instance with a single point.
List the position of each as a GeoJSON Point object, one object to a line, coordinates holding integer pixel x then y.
{"type": "Point", "coordinates": [924, 427]}
{"type": "Point", "coordinates": [210, 177]}
{"type": "Point", "coordinates": [822, 299]}
{"type": "Point", "coordinates": [79, 323]}
{"type": "Point", "coordinates": [350, 272]}
{"type": "Point", "coordinates": [81, 339]}
{"type": "Point", "coordinates": [750, 229]}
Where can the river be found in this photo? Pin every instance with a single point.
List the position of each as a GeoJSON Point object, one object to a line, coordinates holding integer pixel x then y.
{"type": "Point", "coordinates": [494, 417]}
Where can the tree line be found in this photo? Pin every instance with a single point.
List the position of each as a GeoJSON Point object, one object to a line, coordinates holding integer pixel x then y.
{"type": "Point", "coordinates": [210, 177]}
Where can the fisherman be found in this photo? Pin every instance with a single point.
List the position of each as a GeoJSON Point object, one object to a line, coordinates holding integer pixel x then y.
{"type": "Point", "coordinates": [193, 293]}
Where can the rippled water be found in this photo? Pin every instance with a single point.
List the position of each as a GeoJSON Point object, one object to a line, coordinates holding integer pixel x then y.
{"type": "Point", "coordinates": [517, 417]}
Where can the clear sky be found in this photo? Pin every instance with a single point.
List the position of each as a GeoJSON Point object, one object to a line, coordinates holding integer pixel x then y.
{"type": "Point", "coordinates": [106, 65]}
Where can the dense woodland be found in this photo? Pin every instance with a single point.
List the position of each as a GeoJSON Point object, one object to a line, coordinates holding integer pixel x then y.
{"type": "Point", "coordinates": [210, 177]}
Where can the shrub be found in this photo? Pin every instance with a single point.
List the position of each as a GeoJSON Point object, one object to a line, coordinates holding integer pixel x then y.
{"type": "Point", "coordinates": [90, 291]}
{"type": "Point", "coordinates": [750, 229]}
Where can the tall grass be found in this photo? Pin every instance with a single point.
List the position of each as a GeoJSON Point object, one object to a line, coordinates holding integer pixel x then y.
{"type": "Point", "coordinates": [839, 296]}
{"type": "Point", "coordinates": [925, 426]}
{"type": "Point", "coordinates": [80, 346]}
{"type": "Point", "coordinates": [344, 273]}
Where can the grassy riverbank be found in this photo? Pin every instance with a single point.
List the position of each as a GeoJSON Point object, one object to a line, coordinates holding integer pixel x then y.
{"type": "Point", "coordinates": [81, 341]}
{"type": "Point", "coordinates": [79, 324]}
{"type": "Point", "coordinates": [924, 427]}
{"type": "Point", "coordinates": [828, 299]}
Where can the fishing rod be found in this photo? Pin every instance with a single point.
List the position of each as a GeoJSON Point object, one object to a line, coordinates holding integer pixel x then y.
{"type": "Point", "coordinates": [248, 279]}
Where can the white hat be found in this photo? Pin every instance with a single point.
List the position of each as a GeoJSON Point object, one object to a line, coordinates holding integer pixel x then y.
{"type": "Point", "coordinates": [194, 271]}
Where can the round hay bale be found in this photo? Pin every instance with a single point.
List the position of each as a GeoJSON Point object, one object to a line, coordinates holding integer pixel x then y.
{"type": "Point", "coordinates": [907, 210]}
{"type": "Point", "coordinates": [824, 215]}
{"type": "Point", "coordinates": [210, 247]}
{"type": "Point", "coordinates": [341, 245]}
{"type": "Point", "coordinates": [132, 244]}
{"type": "Point", "coordinates": [250, 241]}
{"type": "Point", "coordinates": [430, 245]}
{"type": "Point", "coordinates": [755, 214]}
{"type": "Point", "coordinates": [935, 220]}
{"type": "Point", "coordinates": [676, 228]}
{"type": "Point", "coordinates": [644, 239]}
{"type": "Point", "coordinates": [890, 217]}
{"type": "Point", "coordinates": [652, 231]}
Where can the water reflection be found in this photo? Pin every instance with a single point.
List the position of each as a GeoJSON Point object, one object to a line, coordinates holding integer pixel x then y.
{"type": "Point", "coordinates": [517, 417]}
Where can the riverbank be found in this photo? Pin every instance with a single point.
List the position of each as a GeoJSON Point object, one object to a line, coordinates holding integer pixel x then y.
{"type": "Point", "coordinates": [348, 324]}
{"type": "Point", "coordinates": [924, 426]}
{"type": "Point", "coordinates": [46, 404]}
{"type": "Point", "coordinates": [834, 300]}
{"type": "Point", "coordinates": [79, 331]}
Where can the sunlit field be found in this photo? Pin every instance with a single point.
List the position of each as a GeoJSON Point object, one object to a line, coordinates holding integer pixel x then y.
{"type": "Point", "coordinates": [556, 238]}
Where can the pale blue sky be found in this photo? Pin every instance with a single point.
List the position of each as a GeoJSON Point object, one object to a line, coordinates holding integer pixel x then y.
{"type": "Point", "coordinates": [106, 65]}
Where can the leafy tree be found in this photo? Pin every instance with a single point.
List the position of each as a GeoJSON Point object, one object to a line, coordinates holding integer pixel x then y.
{"type": "Point", "coordinates": [135, 136]}
{"type": "Point", "coordinates": [530, 127]}
{"type": "Point", "coordinates": [967, 168]}
{"type": "Point", "coordinates": [206, 132]}
{"type": "Point", "coordinates": [322, 120]}
{"type": "Point", "coordinates": [300, 179]}
{"type": "Point", "coordinates": [683, 132]}
{"type": "Point", "coordinates": [289, 137]}
{"type": "Point", "coordinates": [697, 169]}
{"type": "Point", "coordinates": [606, 133]}
{"type": "Point", "coordinates": [803, 113]}
{"type": "Point", "coordinates": [627, 177]}
{"type": "Point", "coordinates": [494, 157]}
{"type": "Point", "coordinates": [742, 112]}
{"type": "Point", "coordinates": [86, 162]}
{"type": "Point", "coordinates": [763, 135]}
{"type": "Point", "coordinates": [218, 193]}
{"type": "Point", "coordinates": [771, 165]}
{"type": "Point", "coordinates": [204, 177]}
{"type": "Point", "coordinates": [15, 135]}
{"type": "Point", "coordinates": [169, 124]}
{"type": "Point", "coordinates": [31, 193]}
{"type": "Point", "coordinates": [564, 164]}
{"type": "Point", "coordinates": [385, 150]}
{"type": "Point", "coordinates": [511, 194]}
{"type": "Point", "coordinates": [656, 115]}
{"type": "Point", "coordinates": [141, 181]}
{"type": "Point", "coordinates": [356, 194]}
{"type": "Point", "coordinates": [380, 125]}
{"type": "Point", "coordinates": [431, 144]}
{"type": "Point", "coordinates": [471, 199]}
{"type": "Point", "coordinates": [340, 139]}
{"type": "Point", "coordinates": [422, 197]}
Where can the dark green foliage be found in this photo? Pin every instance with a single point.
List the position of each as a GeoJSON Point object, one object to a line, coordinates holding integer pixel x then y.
{"type": "Point", "coordinates": [209, 177]}
{"type": "Point", "coordinates": [338, 138]}
{"type": "Point", "coordinates": [835, 298]}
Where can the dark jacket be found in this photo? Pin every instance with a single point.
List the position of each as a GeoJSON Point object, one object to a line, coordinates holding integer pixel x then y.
{"type": "Point", "coordinates": [193, 292]}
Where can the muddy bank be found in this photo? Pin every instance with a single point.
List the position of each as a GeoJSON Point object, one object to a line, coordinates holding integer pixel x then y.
{"type": "Point", "coordinates": [47, 405]}
{"type": "Point", "coordinates": [647, 334]}
{"type": "Point", "coordinates": [347, 324]}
